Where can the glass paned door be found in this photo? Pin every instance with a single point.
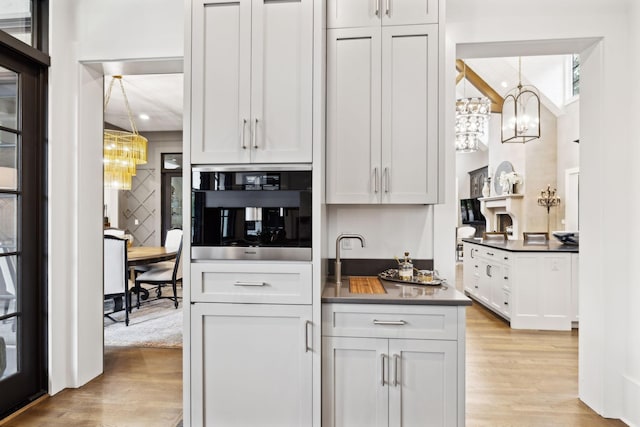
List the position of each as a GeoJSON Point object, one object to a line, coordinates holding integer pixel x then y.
{"type": "Point", "coordinates": [171, 192]}
{"type": "Point", "coordinates": [22, 336]}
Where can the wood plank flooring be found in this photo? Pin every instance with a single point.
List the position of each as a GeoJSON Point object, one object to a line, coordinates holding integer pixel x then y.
{"type": "Point", "coordinates": [514, 378]}
{"type": "Point", "coordinates": [140, 387]}
{"type": "Point", "coordinates": [523, 378]}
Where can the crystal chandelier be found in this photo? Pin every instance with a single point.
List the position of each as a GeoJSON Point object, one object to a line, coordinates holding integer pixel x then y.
{"type": "Point", "coordinates": [521, 112]}
{"type": "Point", "coordinates": [122, 150]}
{"type": "Point", "coordinates": [472, 119]}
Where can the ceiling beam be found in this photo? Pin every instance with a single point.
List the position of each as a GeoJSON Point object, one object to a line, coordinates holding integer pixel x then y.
{"type": "Point", "coordinates": [479, 83]}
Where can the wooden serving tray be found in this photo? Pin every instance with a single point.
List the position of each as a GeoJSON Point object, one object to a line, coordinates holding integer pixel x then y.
{"type": "Point", "coordinates": [365, 285]}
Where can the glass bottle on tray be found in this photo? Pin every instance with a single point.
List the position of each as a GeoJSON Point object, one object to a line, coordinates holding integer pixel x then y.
{"type": "Point", "coordinates": [405, 268]}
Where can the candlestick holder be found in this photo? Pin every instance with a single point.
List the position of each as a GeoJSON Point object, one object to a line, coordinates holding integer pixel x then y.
{"type": "Point", "coordinates": [548, 199]}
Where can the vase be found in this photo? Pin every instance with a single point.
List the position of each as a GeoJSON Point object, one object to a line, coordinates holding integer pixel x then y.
{"type": "Point", "coordinates": [507, 189]}
{"type": "Point", "coordinates": [486, 191]}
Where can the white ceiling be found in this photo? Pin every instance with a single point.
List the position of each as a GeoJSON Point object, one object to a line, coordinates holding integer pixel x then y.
{"type": "Point", "coordinates": [157, 95]}
{"type": "Point", "coordinates": [546, 73]}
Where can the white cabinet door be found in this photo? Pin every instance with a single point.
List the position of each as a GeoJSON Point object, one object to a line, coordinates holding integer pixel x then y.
{"type": "Point", "coordinates": [406, 12]}
{"type": "Point", "coordinates": [471, 269]}
{"type": "Point", "coordinates": [410, 114]}
{"type": "Point", "coordinates": [353, 13]}
{"type": "Point", "coordinates": [542, 291]}
{"type": "Point", "coordinates": [354, 382]}
{"type": "Point", "coordinates": [251, 365]}
{"type": "Point", "coordinates": [422, 383]}
{"type": "Point", "coordinates": [281, 81]}
{"type": "Point", "coordinates": [484, 283]}
{"type": "Point", "coordinates": [372, 13]}
{"type": "Point", "coordinates": [221, 81]}
{"type": "Point", "coordinates": [252, 85]}
{"type": "Point", "coordinates": [353, 115]}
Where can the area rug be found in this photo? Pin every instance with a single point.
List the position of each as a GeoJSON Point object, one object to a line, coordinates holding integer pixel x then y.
{"type": "Point", "coordinates": [154, 324]}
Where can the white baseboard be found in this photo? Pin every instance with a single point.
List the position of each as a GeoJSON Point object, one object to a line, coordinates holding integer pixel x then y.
{"type": "Point", "coordinates": [631, 409]}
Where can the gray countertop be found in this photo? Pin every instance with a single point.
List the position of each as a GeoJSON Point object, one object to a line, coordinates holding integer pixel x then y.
{"type": "Point", "coordinates": [521, 246]}
{"type": "Point", "coordinates": [396, 293]}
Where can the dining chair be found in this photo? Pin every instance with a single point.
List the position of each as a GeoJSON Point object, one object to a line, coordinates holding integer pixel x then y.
{"type": "Point", "coordinates": [172, 241]}
{"type": "Point", "coordinates": [8, 285]}
{"type": "Point", "coordinates": [113, 232]}
{"type": "Point", "coordinates": [116, 277]}
{"type": "Point", "coordinates": [535, 236]}
{"type": "Point", "coordinates": [498, 236]}
{"type": "Point", "coordinates": [160, 277]}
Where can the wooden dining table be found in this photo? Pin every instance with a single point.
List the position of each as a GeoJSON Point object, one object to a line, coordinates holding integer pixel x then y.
{"type": "Point", "coordinates": [143, 255]}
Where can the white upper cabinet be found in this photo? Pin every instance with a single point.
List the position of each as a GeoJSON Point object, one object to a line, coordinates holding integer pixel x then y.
{"type": "Point", "coordinates": [382, 115]}
{"type": "Point", "coordinates": [252, 81]}
{"type": "Point", "coordinates": [368, 13]}
{"type": "Point", "coordinates": [353, 115]}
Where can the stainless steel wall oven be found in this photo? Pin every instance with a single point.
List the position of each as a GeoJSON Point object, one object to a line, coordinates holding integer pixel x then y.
{"type": "Point", "coordinates": [251, 212]}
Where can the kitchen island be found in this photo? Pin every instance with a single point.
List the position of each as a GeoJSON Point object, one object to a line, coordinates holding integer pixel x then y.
{"type": "Point", "coordinates": [531, 285]}
{"type": "Point", "coordinates": [393, 356]}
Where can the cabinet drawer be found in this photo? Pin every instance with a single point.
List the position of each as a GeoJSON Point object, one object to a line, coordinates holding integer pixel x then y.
{"type": "Point", "coordinates": [390, 321]}
{"type": "Point", "coordinates": [273, 283]}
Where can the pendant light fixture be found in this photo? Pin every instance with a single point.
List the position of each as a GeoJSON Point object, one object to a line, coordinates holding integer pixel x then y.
{"type": "Point", "coordinates": [521, 112]}
{"type": "Point", "coordinates": [122, 150]}
{"type": "Point", "coordinates": [472, 119]}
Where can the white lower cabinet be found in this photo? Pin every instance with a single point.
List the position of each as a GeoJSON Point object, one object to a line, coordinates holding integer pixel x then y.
{"type": "Point", "coordinates": [390, 381]}
{"type": "Point", "coordinates": [251, 365]}
{"type": "Point", "coordinates": [534, 289]}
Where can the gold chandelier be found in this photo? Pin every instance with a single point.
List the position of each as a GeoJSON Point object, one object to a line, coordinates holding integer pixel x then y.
{"type": "Point", "coordinates": [122, 150]}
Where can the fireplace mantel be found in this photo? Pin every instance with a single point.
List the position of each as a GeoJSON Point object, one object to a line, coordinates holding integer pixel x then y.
{"type": "Point", "coordinates": [511, 204]}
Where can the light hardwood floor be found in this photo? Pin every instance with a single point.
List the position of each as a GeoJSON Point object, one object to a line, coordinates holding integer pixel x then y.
{"type": "Point", "coordinates": [514, 378]}
{"type": "Point", "coordinates": [523, 378]}
{"type": "Point", "coordinates": [140, 387]}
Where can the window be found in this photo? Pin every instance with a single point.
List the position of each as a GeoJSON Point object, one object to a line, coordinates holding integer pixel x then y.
{"type": "Point", "coordinates": [575, 75]}
{"type": "Point", "coordinates": [25, 20]}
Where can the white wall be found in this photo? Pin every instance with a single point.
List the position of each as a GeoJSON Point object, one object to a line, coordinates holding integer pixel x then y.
{"type": "Point", "coordinates": [89, 30]}
{"type": "Point", "coordinates": [631, 409]}
{"type": "Point", "coordinates": [608, 374]}
{"type": "Point", "coordinates": [465, 163]}
{"type": "Point", "coordinates": [151, 172]}
{"type": "Point", "coordinates": [389, 230]}
{"type": "Point", "coordinates": [568, 151]}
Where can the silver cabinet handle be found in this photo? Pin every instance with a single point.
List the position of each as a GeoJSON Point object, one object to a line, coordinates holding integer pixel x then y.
{"type": "Point", "coordinates": [244, 127]}
{"type": "Point", "coordinates": [239, 283]}
{"type": "Point", "coordinates": [388, 8]}
{"type": "Point", "coordinates": [307, 347]}
{"type": "Point", "coordinates": [389, 322]}
{"type": "Point", "coordinates": [386, 180]}
{"type": "Point", "coordinates": [382, 357]}
{"type": "Point", "coordinates": [255, 134]}
{"type": "Point", "coordinates": [375, 180]}
{"type": "Point", "coordinates": [489, 253]}
{"type": "Point", "coordinates": [395, 370]}
{"type": "Point", "coordinates": [489, 270]}
{"type": "Point", "coordinates": [377, 7]}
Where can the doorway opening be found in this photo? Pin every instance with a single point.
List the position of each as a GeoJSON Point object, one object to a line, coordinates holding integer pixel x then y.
{"type": "Point", "coordinates": [138, 213]}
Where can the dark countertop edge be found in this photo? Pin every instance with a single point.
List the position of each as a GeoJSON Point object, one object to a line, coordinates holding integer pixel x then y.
{"type": "Point", "coordinates": [453, 297]}
{"type": "Point", "coordinates": [557, 247]}
{"type": "Point", "coordinates": [396, 301]}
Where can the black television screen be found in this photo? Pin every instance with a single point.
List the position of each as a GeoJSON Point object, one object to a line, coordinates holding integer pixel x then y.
{"type": "Point", "coordinates": [470, 211]}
